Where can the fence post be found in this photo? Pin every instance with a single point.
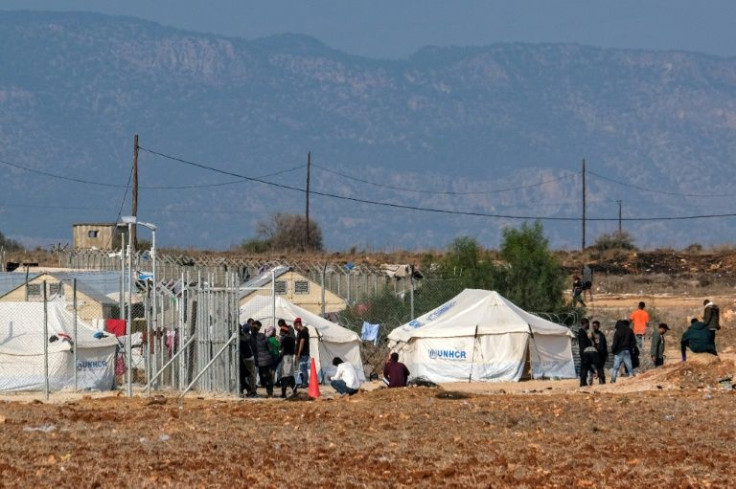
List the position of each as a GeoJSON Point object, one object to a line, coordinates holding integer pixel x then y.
{"type": "Point", "coordinates": [45, 344]}
{"type": "Point", "coordinates": [76, 342]}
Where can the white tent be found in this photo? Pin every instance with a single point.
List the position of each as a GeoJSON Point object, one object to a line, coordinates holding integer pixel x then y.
{"type": "Point", "coordinates": [329, 339]}
{"type": "Point", "coordinates": [22, 356]}
{"type": "Point", "coordinates": [480, 335]}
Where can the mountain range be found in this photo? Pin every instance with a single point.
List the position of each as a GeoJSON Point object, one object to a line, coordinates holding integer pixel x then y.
{"type": "Point", "coordinates": [487, 137]}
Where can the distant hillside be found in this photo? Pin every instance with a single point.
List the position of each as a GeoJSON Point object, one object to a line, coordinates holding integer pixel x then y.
{"type": "Point", "coordinates": [447, 129]}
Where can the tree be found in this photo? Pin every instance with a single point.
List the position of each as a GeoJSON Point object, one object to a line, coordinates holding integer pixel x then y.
{"type": "Point", "coordinates": [9, 244]}
{"type": "Point", "coordinates": [532, 278]}
{"type": "Point", "coordinates": [285, 232]}
{"type": "Point", "coordinates": [614, 241]}
{"type": "Point", "coordinates": [469, 265]}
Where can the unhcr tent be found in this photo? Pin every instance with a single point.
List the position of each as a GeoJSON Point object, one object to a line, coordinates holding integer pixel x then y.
{"type": "Point", "coordinates": [329, 339]}
{"type": "Point", "coordinates": [22, 355]}
{"type": "Point", "coordinates": [480, 335]}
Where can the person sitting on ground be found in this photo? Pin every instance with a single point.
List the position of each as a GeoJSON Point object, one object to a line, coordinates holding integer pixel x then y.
{"type": "Point", "coordinates": [698, 338]}
{"type": "Point", "coordinates": [345, 380]}
{"type": "Point", "coordinates": [395, 372]}
{"type": "Point", "coordinates": [657, 350]}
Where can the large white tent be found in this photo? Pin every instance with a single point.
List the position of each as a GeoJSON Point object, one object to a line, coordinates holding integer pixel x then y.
{"type": "Point", "coordinates": [22, 350]}
{"type": "Point", "coordinates": [481, 336]}
{"type": "Point", "coordinates": [329, 339]}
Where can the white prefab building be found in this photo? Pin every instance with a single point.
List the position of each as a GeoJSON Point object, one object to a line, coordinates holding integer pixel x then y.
{"type": "Point", "coordinates": [327, 339]}
{"type": "Point", "coordinates": [481, 336]}
{"type": "Point", "coordinates": [22, 349]}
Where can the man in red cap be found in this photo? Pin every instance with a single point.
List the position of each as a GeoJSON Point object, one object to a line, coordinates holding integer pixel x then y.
{"type": "Point", "coordinates": [302, 351]}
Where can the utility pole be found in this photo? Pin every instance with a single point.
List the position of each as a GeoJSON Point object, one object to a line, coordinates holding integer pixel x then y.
{"type": "Point", "coordinates": [134, 194]}
{"type": "Point", "coordinates": [309, 169]}
{"type": "Point", "coordinates": [619, 216]}
{"type": "Point", "coordinates": [583, 249]}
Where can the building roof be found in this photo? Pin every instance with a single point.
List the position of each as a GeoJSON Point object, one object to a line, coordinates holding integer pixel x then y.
{"type": "Point", "coordinates": [12, 280]}
{"type": "Point", "coordinates": [261, 280]}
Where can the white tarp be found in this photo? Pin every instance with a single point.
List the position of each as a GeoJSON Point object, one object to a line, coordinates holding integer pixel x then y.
{"type": "Point", "coordinates": [329, 339]}
{"type": "Point", "coordinates": [481, 336]}
{"type": "Point", "coordinates": [22, 356]}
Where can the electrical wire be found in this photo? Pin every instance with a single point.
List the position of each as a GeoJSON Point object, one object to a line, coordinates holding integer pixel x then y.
{"type": "Point", "coordinates": [440, 192]}
{"type": "Point", "coordinates": [142, 187]}
{"type": "Point", "coordinates": [646, 189]}
{"type": "Point", "coordinates": [424, 209]}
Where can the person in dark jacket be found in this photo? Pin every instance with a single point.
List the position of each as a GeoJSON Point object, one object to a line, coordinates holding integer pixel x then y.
{"type": "Point", "coordinates": [588, 352]}
{"type": "Point", "coordinates": [698, 338]}
{"type": "Point", "coordinates": [711, 318]}
{"type": "Point", "coordinates": [624, 342]}
{"type": "Point", "coordinates": [657, 351]}
{"type": "Point", "coordinates": [286, 367]}
{"type": "Point", "coordinates": [265, 361]}
{"type": "Point", "coordinates": [247, 365]}
{"type": "Point", "coordinates": [600, 343]}
{"type": "Point", "coordinates": [395, 372]}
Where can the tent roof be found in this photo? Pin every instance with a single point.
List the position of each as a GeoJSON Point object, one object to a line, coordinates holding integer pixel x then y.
{"type": "Point", "coordinates": [488, 311]}
{"type": "Point", "coordinates": [21, 328]}
{"type": "Point", "coordinates": [12, 280]}
{"type": "Point", "coordinates": [261, 308]}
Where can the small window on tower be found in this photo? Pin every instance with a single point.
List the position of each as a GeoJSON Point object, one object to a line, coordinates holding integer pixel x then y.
{"type": "Point", "coordinates": [92, 234]}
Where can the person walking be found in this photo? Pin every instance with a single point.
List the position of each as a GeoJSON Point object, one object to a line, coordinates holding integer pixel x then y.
{"type": "Point", "coordinates": [624, 342]}
{"type": "Point", "coordinates": [302, 351]}
{"type": "Point", "coordinates": [640, 321]}
{"type": "Point", "coordinates": [657, 350]}
{"type": "Point", "coordinates": [394, 372]}
{"type": "Point", "coordinates": [577, 291]}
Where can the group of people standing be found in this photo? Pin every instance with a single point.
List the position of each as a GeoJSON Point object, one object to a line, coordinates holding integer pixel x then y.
{"type": "Point", "coordinates": [628, 341]}
{"type": "Point", "coordinates": [267, 359]}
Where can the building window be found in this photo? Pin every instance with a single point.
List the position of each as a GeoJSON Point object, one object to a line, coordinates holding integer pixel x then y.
{"type": "Point", "coordinates": [280, 287]}
{"type": "Point", "coordinates": [92, 234]}
{"type": "Point", "coordinates": [301, 287]}
{"type": "Point", "coordinates": [55, 288]}
{"type": "Point", "coordinates": [34, 290]}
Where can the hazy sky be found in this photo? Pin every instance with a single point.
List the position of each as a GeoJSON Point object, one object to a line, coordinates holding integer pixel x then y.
{"type": "Point", "coordinates": [397, 28]}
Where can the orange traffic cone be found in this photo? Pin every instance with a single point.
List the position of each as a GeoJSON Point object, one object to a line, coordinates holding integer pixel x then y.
{"type": "Point", "coordinates": [313, 390]}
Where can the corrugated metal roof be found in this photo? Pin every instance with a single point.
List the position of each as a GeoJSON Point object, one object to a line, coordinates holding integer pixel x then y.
{"type": "Point", "coordinates": [12, 280]}
{"type": "Point", "coordinates": [262, 279]}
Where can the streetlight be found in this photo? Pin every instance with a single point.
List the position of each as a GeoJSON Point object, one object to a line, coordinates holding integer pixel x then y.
{"type": "Point", "coordinates": [131, 221]}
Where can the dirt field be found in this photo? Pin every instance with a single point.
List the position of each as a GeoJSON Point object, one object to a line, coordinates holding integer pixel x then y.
{"type": "Point", "coordinates": [673, 427]}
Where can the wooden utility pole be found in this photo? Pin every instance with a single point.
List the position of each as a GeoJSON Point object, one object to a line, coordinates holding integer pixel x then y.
{"type": "Point", "coordinates": [309, 169]}
{"type": "Point", "coordinates": [134, 193]}
{"type": "Point", "coordinates": [583, 204]}
{"type": "Point", "coordinates": [619, 216]}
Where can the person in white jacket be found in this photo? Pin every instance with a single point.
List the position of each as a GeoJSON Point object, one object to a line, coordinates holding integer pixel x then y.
{"type": "Point", "coordinates": [345, 380]}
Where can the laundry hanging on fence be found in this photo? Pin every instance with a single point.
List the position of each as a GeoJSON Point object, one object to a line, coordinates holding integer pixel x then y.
{"type": "Point", "coordinates": [370, 332]}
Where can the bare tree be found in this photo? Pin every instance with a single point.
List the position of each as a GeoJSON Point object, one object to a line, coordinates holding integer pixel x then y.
{"type": "Point", "coordinates": [287, 232]}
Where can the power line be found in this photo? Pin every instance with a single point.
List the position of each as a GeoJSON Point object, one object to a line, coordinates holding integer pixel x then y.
{"type": "Point", "coordinates": [146, 187]}
{"type": "Point", "coordinates": [646, 189]}
{"type": "Point", "coordinates": [440, 192]}
{"type": "Point", "coordinates": [424, 209]}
